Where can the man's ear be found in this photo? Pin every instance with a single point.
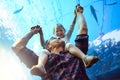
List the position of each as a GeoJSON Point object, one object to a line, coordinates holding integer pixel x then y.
{"type": "Point", "coordinates": [48, 47]}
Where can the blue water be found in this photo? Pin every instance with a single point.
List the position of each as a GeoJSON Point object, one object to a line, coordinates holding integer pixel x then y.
{"type": "Point", "coordinates": [17, 16]}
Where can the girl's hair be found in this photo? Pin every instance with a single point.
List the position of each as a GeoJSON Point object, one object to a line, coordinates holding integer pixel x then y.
{"type": "Point", "coordinates": [60, 26]}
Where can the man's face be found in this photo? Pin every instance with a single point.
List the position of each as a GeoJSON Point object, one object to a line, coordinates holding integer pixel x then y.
{"type": "Point", "coordinates": [56, 43]}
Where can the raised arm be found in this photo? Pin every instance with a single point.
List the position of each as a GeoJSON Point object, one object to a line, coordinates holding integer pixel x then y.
{"type": "Point", "coordinates": [27, 56]}
{"type": "Point", "coordinates": [42, 41]}
{"type": "Point", "coordinates": [82, 26]}
{"type": "Point", "coordinates": [70, 31]}
{"type": "Point", "coordinates": [21, 43]}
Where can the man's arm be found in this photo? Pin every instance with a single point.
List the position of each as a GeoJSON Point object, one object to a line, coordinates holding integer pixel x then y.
{"type": "Point", "coordinates": [27, 56]}
{"type": "Point", "coordinates": [82, 26]}
{"type": "Point", "coordinates": [21, 43]}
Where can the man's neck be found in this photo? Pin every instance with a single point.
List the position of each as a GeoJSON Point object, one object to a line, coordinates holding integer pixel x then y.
{"type": "Point", "coordinates": [57, 50]}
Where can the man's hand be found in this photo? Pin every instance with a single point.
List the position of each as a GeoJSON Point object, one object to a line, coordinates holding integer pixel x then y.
{"type": "Point", "coordinates": [79, 8]}
{"type": "Point", "coordinates": [36, 29]}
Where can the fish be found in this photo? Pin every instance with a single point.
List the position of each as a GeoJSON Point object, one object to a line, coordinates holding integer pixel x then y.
{"type": "Point", "coordinates": [112, 3]}
{"type": "Point", "coordinates": [93, 13]}
{"type": "Point", "coordinates": [29, 1]}
{"type": "Point", "coordinates": [19, 10]}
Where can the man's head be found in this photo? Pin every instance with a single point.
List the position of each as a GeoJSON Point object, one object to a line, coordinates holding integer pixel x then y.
{"type": "Point", "coordinates": [54, 43]}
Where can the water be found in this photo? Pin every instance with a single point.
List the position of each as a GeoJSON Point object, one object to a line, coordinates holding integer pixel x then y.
{"type": "Point", "coordinates": [17, 16]}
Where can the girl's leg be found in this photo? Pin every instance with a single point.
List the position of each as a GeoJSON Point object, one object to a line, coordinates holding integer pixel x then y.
{"type": "Point", "coordinates": [39, 69]}
{"type": "Point", "coordinates": [88, 60]}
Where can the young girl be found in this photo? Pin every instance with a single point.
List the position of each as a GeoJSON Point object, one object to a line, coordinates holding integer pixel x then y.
{"type": "Point", "coordinates": [59, 31]}
{"type": "Point", "coordinates": [81, 40]}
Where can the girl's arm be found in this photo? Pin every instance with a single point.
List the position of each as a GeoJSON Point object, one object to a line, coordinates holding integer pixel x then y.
{"type": "Point", "coordinates": [70, 31]}
{"type": "Point", "coordinates": [42, 41]}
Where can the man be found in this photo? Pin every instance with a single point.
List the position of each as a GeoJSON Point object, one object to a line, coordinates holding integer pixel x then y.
{"type": "Point", "coordinates": [63, 61]}
{"type": "Point", "coordinates": [61, 64]}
